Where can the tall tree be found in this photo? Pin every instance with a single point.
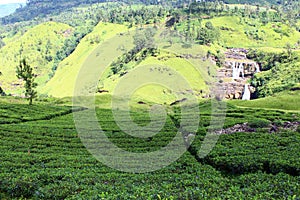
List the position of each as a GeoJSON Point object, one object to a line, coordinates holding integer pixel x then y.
{"type": "Point", "coordinates": [25, 72]}
{"type": "Point", "coordinates": [2, 93]}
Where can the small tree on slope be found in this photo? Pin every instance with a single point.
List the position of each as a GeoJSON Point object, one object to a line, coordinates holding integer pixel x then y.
{"type": "Point", "coordinates": [24, 71]}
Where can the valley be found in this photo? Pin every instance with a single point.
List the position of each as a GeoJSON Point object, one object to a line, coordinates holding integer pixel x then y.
{"type": "Point", "coordinates": [150, 100]}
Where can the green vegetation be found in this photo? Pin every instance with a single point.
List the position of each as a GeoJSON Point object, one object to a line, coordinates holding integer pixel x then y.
{"type": "Point", "coordinates": [37, 50]}
{"type": "Point", "coordinates": [51, 155]}
{"type": "Point", "coordinates": [247, 153]}
{"type": "Point", "coordinates": [24, 72]}
{"type": "Point", "coordinates": [210, 27]}
{"type": "Point", "coordinates": [175, 47]}
{"type": "Point", "coordinates": [287, 100]}
{"type": "Point", "coordinates": [35, 8]}
{"type": "Point", "coordinates": [68, 69]}
{"type": "Point", "coordinates": [281, 72]}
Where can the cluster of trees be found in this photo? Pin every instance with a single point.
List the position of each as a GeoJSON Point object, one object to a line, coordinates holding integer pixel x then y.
{"type": "Point", "coordinates": [70, 45]}
{"type": "Point", "coordinates": [135, 16]}
{"type": "Point", "coordinates": [208, 34]}
{"type": "Point", "coordinates": [42, 8]}
{"type": "Point", "coordinates": [281, 72]}
{"type": "Point", "coordinates": [144, 45]}
{"type": "Point", "coordinates": [36, 8]}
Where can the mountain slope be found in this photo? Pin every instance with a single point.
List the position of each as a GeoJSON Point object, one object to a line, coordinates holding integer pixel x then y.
{"type": "Point", "coordinates": [39, 46]}
{"type": "Point", "coordinates": [247, 32]}
{"type": "Point", "coordinates": [35, 8]}
{"type": "Point", "coordinates": [111, 46]}
{"type": "Point", "coordinates": [62, 84]}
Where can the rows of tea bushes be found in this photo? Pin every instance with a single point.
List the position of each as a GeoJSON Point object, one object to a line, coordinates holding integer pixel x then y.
{"type": "Point", "coordinates": [241, 153]}
{"type": "Point", "coordinates": [45, 159]}
{"type": "Point", "coordinates": [14, 113]}
{"type": "Point", "coordinates": [251, 152]}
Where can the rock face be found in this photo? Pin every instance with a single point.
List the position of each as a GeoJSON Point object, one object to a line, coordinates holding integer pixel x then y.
{"type": "Point", "coordinates": [245, 128]}
{"type": "Point", "coordinates": [238, 128]}
{"type": "Point", "coordinates": [235, 73]}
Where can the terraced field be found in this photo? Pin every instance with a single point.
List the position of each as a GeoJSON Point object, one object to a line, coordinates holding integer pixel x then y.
{"type": "Point", "coordinates": [46, 159]}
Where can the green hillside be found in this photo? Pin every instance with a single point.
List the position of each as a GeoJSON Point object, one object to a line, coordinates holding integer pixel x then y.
{"type": "Point", "coordinates": [111, 47]}
{"type": "Point", "coordinates": [233, 34]}
{"type": "Point", "coordinates": [62, 84]}
{"type": "Point", "coordinates": [166, 67]}
{"type": "Point", "coordinates": [232, 26]}
{"type": "Point", "coordinates": [39, 46]}
{"type": "Point", "coordinates": [236, 31]}
{"type": "Point", "coordinates": [133, 100]}
{"type": "Point", "coordinates": [288, 100]}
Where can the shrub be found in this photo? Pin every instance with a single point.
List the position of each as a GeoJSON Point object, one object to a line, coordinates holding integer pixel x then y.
{"type": "Point", "coordinates": [259, 123]}
{"type": "Point", "coordinates": [278, 122]}
{"type": "Point", "coordinates": [298, 129]}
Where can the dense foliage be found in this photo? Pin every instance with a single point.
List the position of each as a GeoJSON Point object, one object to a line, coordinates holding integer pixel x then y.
{"type": "Point", "coordinates": [281, 72]}
{"type": "Point", "coordinates": [38, 8]}
{"type": "Point", "coordinates": [42, 156]}
{"type": "Point", "coordinates": [144, 46]}
{"type": "Point", "coordinates": [45, 159]}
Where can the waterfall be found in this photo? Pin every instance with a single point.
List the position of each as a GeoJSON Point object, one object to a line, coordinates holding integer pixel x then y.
{"type": "Point", "coordinates": [247, 93]}
{"type": "Point", "coordinates": [257, 67]}
{"type": "Point", "coordinates": [235, 71]}
{"type": "Point", "coordinates": [241, 70]}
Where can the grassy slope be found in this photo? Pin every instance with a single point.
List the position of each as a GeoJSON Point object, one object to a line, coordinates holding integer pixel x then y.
{"type": "Point", "coordinates": [62, 84]}
{"type": "Point", "coordinates": [34, 43]}
{"type": "Point", "coordinates": [64, 80]}
{"type": "Point", "coordinates": [288, 100]}
{"type": "Point", "coordinates": [166, 75]}
{"type": "Point", "coordinates": [236, 36]}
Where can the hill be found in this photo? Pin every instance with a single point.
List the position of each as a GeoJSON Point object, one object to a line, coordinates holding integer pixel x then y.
{"type": "Point", "coordinates": [39, 52]}
{"type": "Point", "coordinates": [233, 33]}
{"type": "Point", "coordinates": [171, 60]}
{"type": "Point", "coordinates": [236, 31]}
{"type": "Point", "coordinates": [69, 68]}
{"type": "Point", "coordinates": [41, 8]}
{"type": "Point", "coordinates": [189, 39]}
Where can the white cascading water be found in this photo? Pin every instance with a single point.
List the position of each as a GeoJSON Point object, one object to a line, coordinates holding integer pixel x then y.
{"type": "Point", "coordinates": [241, 70]}
{"type": "Point", "coordinates": [235, 71]}
{"type": "Point", "coordinates": [247, 93]}
{"type": "Point", "coordinates": [257, 68]}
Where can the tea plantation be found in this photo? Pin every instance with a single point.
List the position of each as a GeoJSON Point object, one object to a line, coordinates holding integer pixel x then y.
{"type": "Point", "coordinates": [42, 157]}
